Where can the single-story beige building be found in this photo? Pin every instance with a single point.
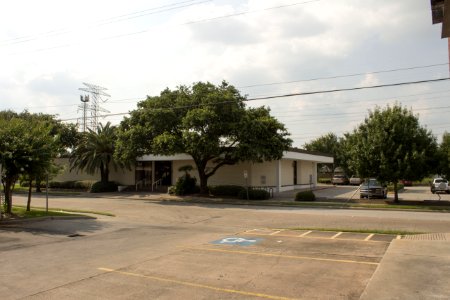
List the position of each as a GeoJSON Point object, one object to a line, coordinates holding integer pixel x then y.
{"type": "Point", "coordinates": [297, 169]}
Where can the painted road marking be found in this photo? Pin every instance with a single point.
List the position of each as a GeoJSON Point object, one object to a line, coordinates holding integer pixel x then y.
{"type": "Point", "coordinates": [283, 256]}
{"type": "Point", "coordinates": [336, 235]}
{"type": "Point", "coordinates": [305, 233]}
{"type": "Point", "coordinates": [197, 285]}
{"type": "Point", "coordinates": [237, 241]}
{"type": "Point", "coordinates": [275, 232]}
{"type": "Point", "coordinates": [369, 237]}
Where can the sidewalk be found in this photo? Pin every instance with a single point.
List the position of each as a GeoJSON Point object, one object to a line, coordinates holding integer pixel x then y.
{"type": "Point", "coordinates": [415, 268]}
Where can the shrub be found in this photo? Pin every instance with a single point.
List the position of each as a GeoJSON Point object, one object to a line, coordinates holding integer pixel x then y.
{"type": "Point", "coordinates": [254, 194]}
{"type": "Point", "coordinates": [100, 187]}
{"type": "Point", "coordinates": [305, 196]}
{"type": "Point", "coordinates": [186, 185]}
{"type": "Point", "coordinates": [226, 190]}
{"type": "Point", "coordinates": [324, 180]}
{"type": "Point", "coordinates": [71, 185]}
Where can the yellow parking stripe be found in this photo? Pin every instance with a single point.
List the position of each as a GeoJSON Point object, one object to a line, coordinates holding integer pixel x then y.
{"type": "Point", "coordinates": [369, 237]}
{"type": "Point", "coordinates": [304, 235]}
{"type": "Point", "coordinates": [283, 256]}
{"type": "Point", "coordinates": [197, 285]}
{"type": "Point", "coordinates": [336, 235]}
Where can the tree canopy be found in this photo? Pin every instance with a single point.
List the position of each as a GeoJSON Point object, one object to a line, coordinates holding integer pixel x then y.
{"type": "Point", "coordinates": [391, 145]}
{"type": "Point", "coordinates": [95, 152]}
{"type": "Point", "coordinates": [328, 143]}
{"type": "Point", "coordinates": [210, 123]}
{"type": "Point", "coordinates": [444, 155]}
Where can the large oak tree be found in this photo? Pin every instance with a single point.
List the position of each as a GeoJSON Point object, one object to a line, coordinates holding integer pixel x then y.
{"type": "Point", "coordinates": [210, 123]}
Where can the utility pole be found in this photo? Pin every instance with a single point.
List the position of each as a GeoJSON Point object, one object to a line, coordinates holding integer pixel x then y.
{"type": "Point", "coordinates": [97, 94]}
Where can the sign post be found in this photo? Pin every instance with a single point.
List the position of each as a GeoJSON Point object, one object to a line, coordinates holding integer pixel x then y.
{"type": "Point", "coordinates": [246, 182]}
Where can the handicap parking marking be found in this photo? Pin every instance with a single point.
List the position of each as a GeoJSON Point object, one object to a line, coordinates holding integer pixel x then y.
{"type": "Point", "coordinates": [239, 241]}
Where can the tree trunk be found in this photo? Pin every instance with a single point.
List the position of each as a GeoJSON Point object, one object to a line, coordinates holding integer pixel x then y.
{"type": "Point", "coordinates": [203, 182]}
{"type": "Point", "coordinates": [103, 175]}
{"type": "Point", "coordinates": [38, 185]}
{"type": "Point", "coordinates": [395, 192]}
{"type": "Point", "coordinates": [8, 184]}
{"type": "Point", "coordinates": [29, 195]}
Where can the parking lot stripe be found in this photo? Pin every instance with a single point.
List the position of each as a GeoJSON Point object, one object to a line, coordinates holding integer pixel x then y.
{"type": "Point", "coordinates": [283, 256]}
{"type": "Point", "coordinates": [336, 235]}
{"type": "Point", "coordinates": [369, 237]}
{"type": "Point", "coordinates": [197, 285]}
{"type": "Point", "coordinates": [275, 232]}
{"type": "Point", "coordinates": [305, 233]}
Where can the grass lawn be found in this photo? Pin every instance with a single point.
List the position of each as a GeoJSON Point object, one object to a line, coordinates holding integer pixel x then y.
{"type": "Point", "coordinates": [22, 213]}
{"type": "Point", "coordinates": [66, 212]}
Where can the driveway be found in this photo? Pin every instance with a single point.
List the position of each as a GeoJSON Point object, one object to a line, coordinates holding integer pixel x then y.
{"type": "Point", "coordinates": [348, 192]}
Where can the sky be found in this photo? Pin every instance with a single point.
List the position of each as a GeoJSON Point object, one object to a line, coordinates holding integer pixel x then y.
{"type": "Point", "coordinates": [49, 48]}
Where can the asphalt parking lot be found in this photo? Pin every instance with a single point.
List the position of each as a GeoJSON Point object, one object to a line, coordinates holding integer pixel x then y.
{"type": "Point", "coordinates": [253, 264]}
{"type": "Point", "coordinates": [160, 250]}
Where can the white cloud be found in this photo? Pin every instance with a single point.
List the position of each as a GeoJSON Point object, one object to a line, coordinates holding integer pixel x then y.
{"type": "Point", "coordinates": [310, 40]}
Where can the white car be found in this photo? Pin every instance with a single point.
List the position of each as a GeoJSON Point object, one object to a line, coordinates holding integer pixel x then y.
{"type": "Point", "coordinates": [440, 185]}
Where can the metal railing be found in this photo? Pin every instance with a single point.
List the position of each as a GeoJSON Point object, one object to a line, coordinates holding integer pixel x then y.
{"type": "Point", "coordinates": [268, 189]}
{"type": "Point", "coordinates": [156, 184]}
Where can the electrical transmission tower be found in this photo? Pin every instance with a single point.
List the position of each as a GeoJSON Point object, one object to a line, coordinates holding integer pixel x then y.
{"type": "Point", "coordinates": [96, 95]}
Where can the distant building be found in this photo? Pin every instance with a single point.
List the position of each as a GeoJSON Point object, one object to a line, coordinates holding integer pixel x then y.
{"type": "Point", "coordinates": [297, 169]}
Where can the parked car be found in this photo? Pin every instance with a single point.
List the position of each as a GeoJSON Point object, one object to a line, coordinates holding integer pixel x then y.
{"type": "Point", "coordinates": [355, 180]}
{"type": "Point", "coordinates": [339, 179]}
{"type": "Point", "coordinates": [371, 188]}
{"type": "Point", "coordinates": [440, 185]}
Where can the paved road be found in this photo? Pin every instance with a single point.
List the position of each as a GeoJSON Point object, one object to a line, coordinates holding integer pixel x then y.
{"type": "Point", "coordinates": [166, 250]}
{"type": "Point", "coordinates": [348, 192]}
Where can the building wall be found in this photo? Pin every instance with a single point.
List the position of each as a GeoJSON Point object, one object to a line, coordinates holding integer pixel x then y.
{"type": "Point", "coordinates": [67, 175]}
{"type": "Point", "coordinates": [263, 174]}
{"type": "Point", "coordinates": [306, 168]}
{"type": "Point", "coordinates": [226, 175]}
{"type": "Point", "coordinates": [287, 172]}
{"type": "Point", "coordinates": [123, 177]}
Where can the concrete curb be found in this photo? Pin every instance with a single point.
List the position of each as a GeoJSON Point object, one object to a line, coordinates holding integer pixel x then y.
{"type": "Point", "coordinates": [40, 219]}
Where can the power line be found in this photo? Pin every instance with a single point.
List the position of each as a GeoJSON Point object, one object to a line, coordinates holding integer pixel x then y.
{"type": "Point", "coordinates": [295, 94]}
{"type": "Point", "coordinates": [145, 12]}
{"type": "Point", "coordinates": [348, 89]}
{"type": "Point", "coordinates": [343, 76]}
{"type": "Point", "coordinates": [181, 24]}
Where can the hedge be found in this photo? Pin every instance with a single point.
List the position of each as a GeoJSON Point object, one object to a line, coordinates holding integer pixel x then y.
{"type": "Point", "coordinates": [226, 190]}
{"type": "Point", "coordinates": [305, 196]}
{"type": "Point", "coordinates": [100, 187]}
{"type": "Point", "coordinates": [254, 194]}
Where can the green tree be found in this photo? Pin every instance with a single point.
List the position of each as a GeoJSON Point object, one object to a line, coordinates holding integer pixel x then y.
{"type": "Point", "coordinates": [391, 145]}
{"type": "Point", "coordinates": [24, 146]}
{"type": "Point", "coordinates": [95, 152]}
{"type": "Point", "coordinates": [208, 122]}
{"type": "Point", "coordinates": [329, 144]}
{"type": "Point", "coordinates": [444, 155]}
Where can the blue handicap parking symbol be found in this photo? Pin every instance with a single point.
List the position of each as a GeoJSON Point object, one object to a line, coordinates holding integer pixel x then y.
{"type": "Point", "coordinates": [239, 241]}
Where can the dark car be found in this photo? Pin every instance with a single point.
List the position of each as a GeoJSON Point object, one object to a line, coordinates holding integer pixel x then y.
{"type": "Point", "coordinates": [371, 188]}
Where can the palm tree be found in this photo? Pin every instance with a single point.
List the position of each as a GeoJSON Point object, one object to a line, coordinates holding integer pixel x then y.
{"type": "Point", "coordinates": [96, 152]}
